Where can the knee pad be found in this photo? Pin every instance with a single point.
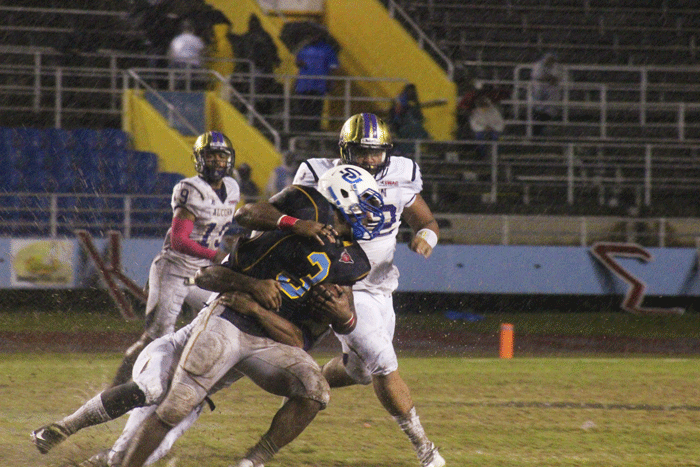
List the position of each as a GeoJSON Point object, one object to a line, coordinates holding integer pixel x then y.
{"type": "Point", "coordinates": [385, 363]}
{"type": "Point", "coordinates": [310, 384]}
{"type": "Point", "coordinates": [202, 356]}
{"type": "Point", "coordinates": [183, 397]}
{"type": "Point", "coordinates": [356, 369]}
{"type": "Point", "coordinates": [361, 372]}
{"type": "Point", "coordinates": [155, 368]}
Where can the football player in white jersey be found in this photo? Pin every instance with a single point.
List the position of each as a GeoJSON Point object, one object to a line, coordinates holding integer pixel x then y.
{"type": "Point", "coordinates": [203, 208]}
{"type": "Point", "coordinates": [368, 352]}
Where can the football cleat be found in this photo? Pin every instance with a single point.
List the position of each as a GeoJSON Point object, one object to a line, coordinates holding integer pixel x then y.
{"type": "Point", "coordinates": [49, 436]}
{"type": "Point", "coordinates": [431, 457]}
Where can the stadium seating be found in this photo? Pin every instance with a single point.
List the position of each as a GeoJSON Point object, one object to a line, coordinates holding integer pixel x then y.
{"type": "Point", "coordinates": [88, 172]}
{"type": "Point", "coordinates": [580, 31]}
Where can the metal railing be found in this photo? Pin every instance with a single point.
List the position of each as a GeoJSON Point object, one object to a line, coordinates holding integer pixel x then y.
{"type": "Point", "coordinates": [640, 85]}
{"type": "Point", "coordinates": [132, 80]}
{"type": "Point", "coordinates": [588, 109]}
{"type": "Point", "coordinates": [58, 214]}
{"type": "Point", "coordinates": [606, 110]}
{"type": "Point", "coordinates": [254, 116]}
{"type": "Point", "coordinates": [424, 42]}
{"type": "Point", "coordinates": [344, 100]}
{"type": "Point", "coordinates": [149, 216]}
{"type": "Point", "coordinates": [42, 86]}
{"type": "Point", "coordinates": [649, 174]}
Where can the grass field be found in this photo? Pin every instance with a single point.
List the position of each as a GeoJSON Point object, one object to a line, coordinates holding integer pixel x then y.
{"type": "Point", "coordinates": [538, 409]}
{"type": "Point", "coordinates": [480, 411]}
{"type": "Point", "coordinates": [594, 323]}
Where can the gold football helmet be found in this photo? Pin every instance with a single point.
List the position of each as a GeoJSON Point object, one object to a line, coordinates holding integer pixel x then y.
{"type": "Point", "coordinates": [212, 141]}
{"type": "Point", "coordinates": [363, 135]}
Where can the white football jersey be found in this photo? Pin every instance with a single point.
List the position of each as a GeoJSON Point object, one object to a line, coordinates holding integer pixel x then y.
{"type": "Point", "coordinates": [399, 185]}
{"type": "Point", "coordinates": [213, 217]}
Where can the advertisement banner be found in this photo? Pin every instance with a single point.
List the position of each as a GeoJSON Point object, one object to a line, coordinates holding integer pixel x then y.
{"type": "Point", "coordinates": [42, 263]}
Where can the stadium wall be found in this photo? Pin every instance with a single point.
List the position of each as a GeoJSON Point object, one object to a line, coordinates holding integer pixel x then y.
{"type": "Point", "coordinates": [453, 269]}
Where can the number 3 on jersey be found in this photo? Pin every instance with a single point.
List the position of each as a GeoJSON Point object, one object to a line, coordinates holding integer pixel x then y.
{"type": "Point", "coordinates": [321, 262]}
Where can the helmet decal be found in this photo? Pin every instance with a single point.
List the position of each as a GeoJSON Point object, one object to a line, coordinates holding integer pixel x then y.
{"type": "Point", "coordinates": [355, 193]}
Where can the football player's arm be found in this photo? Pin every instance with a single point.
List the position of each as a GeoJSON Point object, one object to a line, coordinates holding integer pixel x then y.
{"type": "Point", "coordinates": [336, 304]}
{"type": "Point", "coordinates": [265, 216]}
{"type": "Point", "coordinates": [419, 217]}
{"type": "Point", "coordinates": [219, 278]}
{"type": "Point", "coordinates": [278, 328]}
{"type": "Point", "coordinates": [181, 228]}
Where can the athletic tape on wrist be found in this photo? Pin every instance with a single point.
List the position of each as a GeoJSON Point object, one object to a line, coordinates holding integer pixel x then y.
{"type": "Point", "coordinates": [429, 236]}
{"type": "Point", "coordinates": [286, 222]}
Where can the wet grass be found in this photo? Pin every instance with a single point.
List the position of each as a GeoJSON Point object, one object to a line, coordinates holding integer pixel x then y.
{"type": "Point", "coordinates": [595, 324]}
{"type": "Point", "coordinates": [613, 412]}
{"type": "Point", "coordinates": [548, 322]}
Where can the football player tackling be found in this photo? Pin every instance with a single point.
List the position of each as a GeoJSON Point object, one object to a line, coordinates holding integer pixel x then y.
{"type": "Point", "coordinates": [301, 265]}
{"type": "Point", "coordinates": [368, 352]}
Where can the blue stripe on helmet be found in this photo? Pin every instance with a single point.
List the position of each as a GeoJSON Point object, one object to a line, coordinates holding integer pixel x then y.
{"type": "Point", "coordinates": [217, 137]}
{"type": "Point", "coordinates": [366, 129]}
{"type": "Point", "coordinates": [370, 121]}
{"type": "Point", "coordinates": [373, 124]}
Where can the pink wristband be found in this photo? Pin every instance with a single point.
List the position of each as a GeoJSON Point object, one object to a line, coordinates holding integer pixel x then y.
{"type": "Point", "coordinates": [286, 222]}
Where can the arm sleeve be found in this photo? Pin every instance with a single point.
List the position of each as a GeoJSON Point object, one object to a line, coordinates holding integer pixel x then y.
{"type": "Point", "coordinates": [181, 241]}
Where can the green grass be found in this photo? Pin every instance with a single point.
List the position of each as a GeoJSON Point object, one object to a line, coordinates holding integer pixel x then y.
{"type": "Point", "coordinates": [594, 324]}
{"type": "Point", "coordinates": [589, 324]}
{"type": "Point", "coordinates": [523, 412]}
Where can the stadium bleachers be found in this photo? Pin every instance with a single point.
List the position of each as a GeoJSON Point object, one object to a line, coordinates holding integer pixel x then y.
{"type": "Point", "coordinates": [624, 96]}
{"type": "Point", "coordinates": [67, 24]}
{"type": "Point", "coordinates": [82, 177]}
{"type": "Point", "coordinates": [580, 31]}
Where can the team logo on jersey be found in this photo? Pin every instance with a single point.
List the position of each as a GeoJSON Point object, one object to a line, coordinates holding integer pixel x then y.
{"type": "Point", "coordinates": [346, 258]}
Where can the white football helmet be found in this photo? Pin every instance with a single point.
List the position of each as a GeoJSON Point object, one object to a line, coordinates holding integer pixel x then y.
{"type": "Point", "coordinates": [353, 191]}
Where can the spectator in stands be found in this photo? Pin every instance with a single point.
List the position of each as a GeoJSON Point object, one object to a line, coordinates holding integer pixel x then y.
{"type": "Point", "coordinates": [257, 46]}
{"type": "Point", "coordinates": [465, 106]}
{"type": "Point", "coordinates": [486, 122]}
{"type": "Point", "coordinates": [249, 189]}
{"type": "Point", "coordinates": [317, 58]}
{"type": "Point", "coordinates": [282, 176]}
{"type": "Point", "coordinates": [187, 51]}
{"type": "Point", "coordinates": [546, 92]}
{"type": "Point", "coordinates": [464, 110]}
{"type": "Point", "coordinates": [406, 118]}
